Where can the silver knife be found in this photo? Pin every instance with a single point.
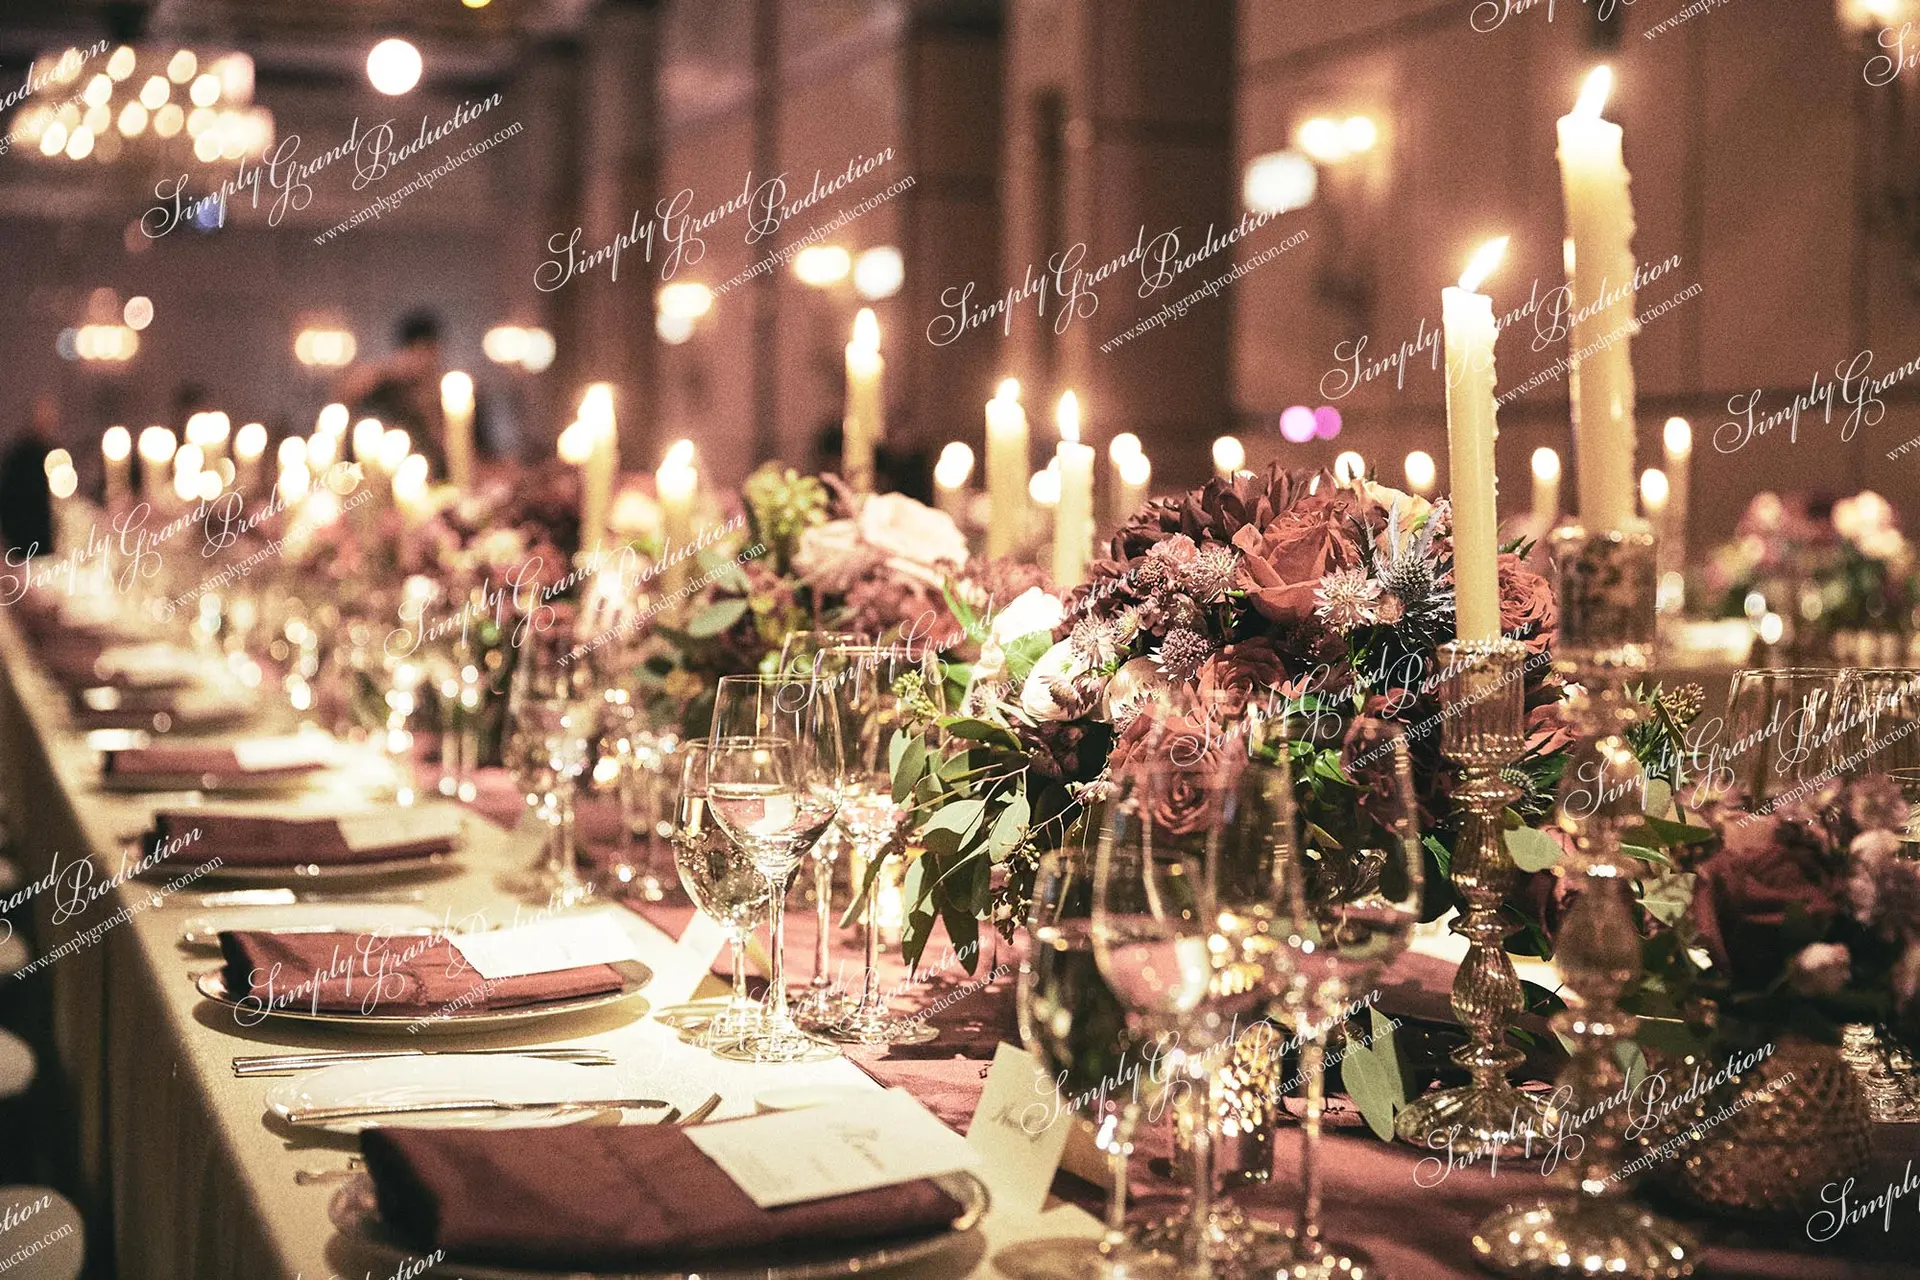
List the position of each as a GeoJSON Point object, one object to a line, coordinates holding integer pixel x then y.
{"type": "Point", "coordinates": [322, 1115]}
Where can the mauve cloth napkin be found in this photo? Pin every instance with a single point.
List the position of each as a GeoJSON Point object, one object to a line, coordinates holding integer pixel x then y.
{"type": "Point", "coordinates": [402, 975]}
{"type": "Point", "coordinates": [265, 840]}
{"type": "Point", "coordinates": [590, 1198]}
{"type": "Point", "coordinates": [168, 759]}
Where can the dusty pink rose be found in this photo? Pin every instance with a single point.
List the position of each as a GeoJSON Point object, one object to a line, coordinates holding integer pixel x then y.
{"type": "Point", "coordinates": [1281, 564]}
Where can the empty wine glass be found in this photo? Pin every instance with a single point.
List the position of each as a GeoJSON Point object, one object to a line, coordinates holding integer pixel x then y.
{"type": "Point", "coordinates": [824, 1002]}
{"type": "Point", "coordinates": [553, 723]}
{"type": "Point", "coordinates": [1780, 743]}
{"type": "Point", "coordinates": [1078, 1030]}
{"type": "Point", "coordinates": [1878, 723]}
{"type": "Point", "coordinates": [1183, 899]}
{"type": "Point", "coordinates": [723, 882]}
{"type": "Point", "coordinates": [774, 783]}
{"type": "Point", "coordinates": [1346, 911]}
{"type": "Point", "coordinates": [886, 695]}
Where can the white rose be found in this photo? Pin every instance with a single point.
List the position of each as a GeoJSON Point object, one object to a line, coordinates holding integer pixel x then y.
{"type": "Point", "coordinates": [1032, 610]}
{"type": "Point", "coordinates": [1057, 665]}
{"type": "Point", "coordinates": [911, 534]}
{"type": "Point", "coordinates": [825, 549]}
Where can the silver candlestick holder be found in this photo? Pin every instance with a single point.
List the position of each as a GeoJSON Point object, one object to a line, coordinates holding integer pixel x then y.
{"type": "Point", "coordinates": [1606, 642]}
{"type": "Point", "coordinates": [1483, 698]}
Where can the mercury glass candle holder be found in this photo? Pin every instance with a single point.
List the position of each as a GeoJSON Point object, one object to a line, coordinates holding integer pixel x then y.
{"type": "Point", "coordinates": [1606, 643]}
{"type": "Point", "coordinates": [1483, 699]}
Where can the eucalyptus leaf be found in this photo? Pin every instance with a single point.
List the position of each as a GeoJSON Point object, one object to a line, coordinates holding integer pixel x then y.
{"type": "Point", "coordinates": [1668, 897]}
{"type": "Point", "coordinates": [907, 771]}
{"type": "Point", "coordinates": [983, 731]}
{"type": "Point", "coordinates": [1532, 849]}
{"type": "Point", "coordinates": [960, 817]}
{"type": "Point", "coordinates": [1010, 828]}
{"type": "Point", "coordinates": [715, 618]}
{"type": "Point", "coordinates": [1372, 1076]}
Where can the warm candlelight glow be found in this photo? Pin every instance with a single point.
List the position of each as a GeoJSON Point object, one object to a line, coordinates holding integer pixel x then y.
{"type": "Point", "coordinates": [395, 445]}
{"type": "Point", "coordinates": [189, 457]}
{"type": "Point", "coordinates": [1421, 471]}
{"type": "Point", "coordinates": [1009, 389]}
{"type": "Point", "coordinates": [63, 481]}
{"type": "Point", "coordinates": [1594, 93]}
{"type": "Point", "coordinates": [1679, 437]}
{"type": "Point", "coordinates": [250, 441]}
{"type": "Point", "coordinates": [1546, 464]}
{"type": "Point", "coordinates": [410, 480]}
{"type": "Point", "coordinates": [292, 452]}
{"type": "Point", "coordinates": [596, 406]}
{"type": "Point", "coordinates": [332, 420]}
{"type": "Point", "coordinates": [156, 445]}
{"type": "Point", "coordinates": [1067, 417]}
{"type": "Point", "coordinates": [576, 443]}
{"type": "Point", "coordinates": [955, 467]}
{"type": "Point", "coordinates": [322, 448]}
{"type": "Point", "coordinates": [456, 392]}
{"type": "Point", "coordinates": [1044, 487]}
{"type": "Point", "coordinates": [1136, 470]}
{"type": "Point", "coordinates": [1349, 467]}
{"type": "Point", "coordinates": [117, 444]}
{"type": "Point", "coordinates": [1229, 455]}
{"type": "Point", "coordinates": [1653, 490]}
{"type": "Point", "coordinates": [1483, 263]}
{"type": "Point", "coordinates": [56, 459]}
{"type": "Point", "coordinates": [1123, 446]}
{"type": "Point", "coordinates": [866, 329]}
{"type": "Point", "coordinates": [367, 434]}
{"type": "Point", "coordinates": [679, 454]}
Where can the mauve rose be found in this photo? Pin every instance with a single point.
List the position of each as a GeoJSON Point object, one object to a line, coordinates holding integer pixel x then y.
{"type": "Point", "coordinates": [1746, 891]}
{"type": "Point", "coordinates": [1281, 564]}
{"type": "Point", "coordinates": [1240, 673]}
{"type": "Point", "coordinates": [1527, 608]}
{"type": "Point", "coordinates": [1183, 776]}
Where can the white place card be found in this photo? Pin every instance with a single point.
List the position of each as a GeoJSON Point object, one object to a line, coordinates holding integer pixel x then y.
{"type": "Point", "coordinates": [291, 752]}
{"type": "Point", "coordinates": [547, 946]}
{"type": "Point", "coordinates": [679, 970]}
{"type": "Point", "coordinates": [1020, 1128]}
{"type": "Point", "coordinates": [791, 1157]}
{"type": "Point", "coordinates": [397, 825]}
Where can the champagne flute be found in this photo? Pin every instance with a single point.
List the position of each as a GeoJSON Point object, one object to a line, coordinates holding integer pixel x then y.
{"type": "Point", "coordinates": [1074, 1025]}
{"type": "Point", "coordinates": [723, 883]}
{"type": "Point", "coordinates": [774, 783]}
{"type": "Point", "coordinates": [1780, 731]}
{"type": "Point", "coordinates": [1345, 913]}
{"type": "Point", "coordinates": [885, 695]}
{"type": "Point", "coordinates": [824, 1002]}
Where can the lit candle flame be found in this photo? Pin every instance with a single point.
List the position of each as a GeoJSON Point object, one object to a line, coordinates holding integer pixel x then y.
{"type": "Point", "coordinates": [1593, 94]}
{"type": "Point", "coordinates": [1679, 436]}
{"type": "Point", "coordinates": [866, 330]}
{"type": "Point", "coordinates": [456, 392]}
{"type": "Point", "coordinates": [116, 444]}
{"type": "Point", "coordinates": [1068, 418]}
{"type": "Point", "coordinates": [1546, 463]}
{"type": "Point", "coordinates": [1483, 263]}
{"type": "Point", "coordinates": [1009, 389]}
{"type": "Point", "coordinates": [596, 408]}
{"type": "Point", "coordinates": [679, 454]}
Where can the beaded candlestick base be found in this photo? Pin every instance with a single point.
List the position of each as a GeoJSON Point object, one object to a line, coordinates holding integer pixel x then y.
{"type": "Point", "coordinates": [1605, 643]}
{"type": "Point", "coordinates": [1483, 695]}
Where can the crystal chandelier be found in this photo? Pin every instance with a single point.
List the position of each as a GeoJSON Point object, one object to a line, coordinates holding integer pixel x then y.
{"type": "Point", "coordinates": [154, 104]}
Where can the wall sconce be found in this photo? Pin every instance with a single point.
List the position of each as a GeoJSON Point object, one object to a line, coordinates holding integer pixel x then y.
{"type": "Point", "coordinates": [1352, 183]}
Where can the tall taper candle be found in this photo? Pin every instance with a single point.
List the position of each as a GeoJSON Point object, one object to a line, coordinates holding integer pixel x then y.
{"type": "Point", "coordinates": [1073, 518]}
{"type": "Point", "coordinates": [1679, 449]}
{"type": "Point", "coordinates": [864, 424]}
{"type": "Point", "coordinates": [596, 477]}
{"type": "Point", "coordinates": [1546, 491]}
{"type": "Point", "coordinates": [456, 407]}
{"type": "Point", "coordinates": [1601, 277]}
{"type": "Point", "coordinates": [677, 483]}
{"type": "Point", "coordinates": [1467, 317]}
{"type": "Point", "coordinates": [1008, 471]}
{"type": "Point", "coordinates": [116, 446]}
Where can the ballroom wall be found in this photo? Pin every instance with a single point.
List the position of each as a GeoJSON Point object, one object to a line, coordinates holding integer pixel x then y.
{"type": "Point", "coordinates": [1027, 126]}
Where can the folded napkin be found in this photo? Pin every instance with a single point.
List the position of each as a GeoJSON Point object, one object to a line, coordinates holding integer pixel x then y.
{"type": "Point", "coordinates": [221, 761]}
{"type": "Point", "coordinates": [607, 1198]}
{"type": "Point", "coordinates": [269, 840]}
{"type": "Point", "coordinates": [403, 975]}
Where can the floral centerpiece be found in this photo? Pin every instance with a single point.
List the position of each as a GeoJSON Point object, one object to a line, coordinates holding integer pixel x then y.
{"type": "Point", "coordinates": [1846, 567]}
{"type": "Point", "coordinates": [1313, 597]}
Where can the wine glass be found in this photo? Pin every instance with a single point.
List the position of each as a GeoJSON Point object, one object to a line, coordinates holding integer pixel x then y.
{"type": "Point", "coordinates": [1183, 899]}
{"type": "Point", "coordinates": [1078, 1031]}
{"type": "Point", "coordinates": [774, 783]}
{"type": "Point", "coordinates": [885, 695]}
{"type": "Point", "coordinates": [722, 882]}
{"type": "Point", "coordinates": [1345, 913]}
{"type": "Point", "coordinates": [554, 722]}
{"type": "Point", "coordinates": [824, 1002]}
{"type": "Point", "coordinates": [1779, 731]}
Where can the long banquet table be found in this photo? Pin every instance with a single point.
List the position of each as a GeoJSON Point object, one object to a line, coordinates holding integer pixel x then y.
{"type": "Point", "coordinates": [183, 1176]}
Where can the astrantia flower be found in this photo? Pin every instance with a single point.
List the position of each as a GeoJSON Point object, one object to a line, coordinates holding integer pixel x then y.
{"type": "Point", "coordinates": [1209, 575]}
{"type": "Point", "coordinates": [1181, 654]}
{"type": "Point", "coordinates": [1345, 600]}
{"type": "Point", "coordinates": [1098, 644]}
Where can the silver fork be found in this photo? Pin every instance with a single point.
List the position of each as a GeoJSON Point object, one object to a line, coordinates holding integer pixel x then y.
{"type": "Point", "coordinates": [286, 1064]}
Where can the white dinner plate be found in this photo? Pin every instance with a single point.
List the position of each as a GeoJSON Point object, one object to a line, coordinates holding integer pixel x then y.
{"type": "Point", "coordinates": [355, 1214]}
{"type": "Point", "coordinates": [427, 1079]}
{"type": "Point", "coordinates": [213, 985]}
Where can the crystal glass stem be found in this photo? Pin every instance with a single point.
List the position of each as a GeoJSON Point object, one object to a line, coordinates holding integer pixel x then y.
{"type": "Point", "coordinates": [1118, 1145]}
{"type": "Point", "coordinates": [778, 1020]}
{"type": "Point", "coordinates": [1197, 1107]}
{"type": "Point", "coordinates": [1313, 1065]}
{"type": "Point", "coordinates": [741, 1002]}
{"type": "Point", "coordinates": [823, 904]}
